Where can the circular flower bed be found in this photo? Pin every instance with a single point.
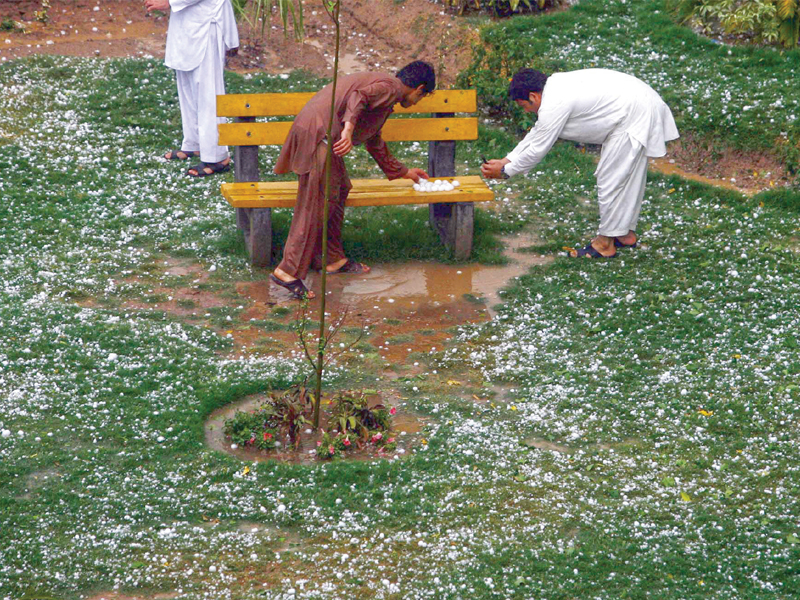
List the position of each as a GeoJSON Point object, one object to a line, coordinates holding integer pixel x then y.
{"type": "Point", "coordinates": [353, 424]}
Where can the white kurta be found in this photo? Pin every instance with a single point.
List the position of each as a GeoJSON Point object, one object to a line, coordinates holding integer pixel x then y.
{"type": "Point", "coordinates": [188, 33]}
{"type": "Point", "coordinates": [600, 106]}
{"type": "Point", "coordinates": [200, 31]}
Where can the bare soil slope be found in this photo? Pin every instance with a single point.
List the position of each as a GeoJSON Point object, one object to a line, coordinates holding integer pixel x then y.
{"type": "Point", "coordinates": [383, 34]}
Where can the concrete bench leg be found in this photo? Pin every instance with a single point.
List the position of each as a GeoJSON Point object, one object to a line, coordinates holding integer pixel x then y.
{"type": "Point", "coordinates": [256, 225]}
{"type": "Point", "coordinates": [455, 223]}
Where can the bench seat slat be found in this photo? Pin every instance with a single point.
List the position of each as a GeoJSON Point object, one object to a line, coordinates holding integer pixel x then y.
{"type": "Point", "coordinates": [274, 105]}
{"type": "Point", "coordinates": [365, 192]}
{"type": "Point", "coordinates": [395, 130]}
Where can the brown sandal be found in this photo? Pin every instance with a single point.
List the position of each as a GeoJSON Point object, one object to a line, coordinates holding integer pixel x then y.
{"type": "Point", "coordinates": [351, 267]}
{"type": "Point", "coordinates": [296, 287]}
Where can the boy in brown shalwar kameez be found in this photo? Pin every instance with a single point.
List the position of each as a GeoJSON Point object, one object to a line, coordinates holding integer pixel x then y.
{"type": "Point", "coordinates": [363, 103]}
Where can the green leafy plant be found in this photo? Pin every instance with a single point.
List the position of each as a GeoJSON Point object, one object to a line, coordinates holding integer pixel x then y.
{"type": "Point", "coordinates": [333, 445]}
{"type": "Point", "coordinates": [253, 429]}
{"type": "Point", "coordinates": [291, 409]}
{"type": "Point", "coordinates": [258, 13]}
{"type": "Point", "coordinates": [352, 413]}
{"type": "Point", "coordinates": [502, 8]}
{"type": "Point", "coordinates": [358, 425]}
{"type": "Point", "coordinates": [772, 21]}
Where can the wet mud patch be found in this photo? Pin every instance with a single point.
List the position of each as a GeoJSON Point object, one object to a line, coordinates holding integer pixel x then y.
{"type": "Point", "coordinates": [746, 172]}
{"type": "Point", "coordinates": [398, 313]}
{"type": "Point", "coordinates": [406, 429]}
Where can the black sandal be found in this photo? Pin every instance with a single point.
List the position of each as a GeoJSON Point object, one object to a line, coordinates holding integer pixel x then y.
{"type": "Point", "coordinates": [590, 251]}
{"type": "Point", "coordinates": [296, 287]}
{"type": "Point", "coordinates": [200, 168]}
{"type": "Point", "coordinates": [173, 154]}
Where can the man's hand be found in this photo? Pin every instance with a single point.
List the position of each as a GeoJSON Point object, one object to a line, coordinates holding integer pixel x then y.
{"type": "Point", "coordinates": [416, 174]}
{"type": "Point", "coordinates": [345, 143]}
{"type": "Point", "coordinates": [151, 5]}
{"type": "Point", "coordinates": [494, 168]}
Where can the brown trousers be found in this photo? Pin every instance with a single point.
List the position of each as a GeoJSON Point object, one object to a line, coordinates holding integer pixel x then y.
{"type": "Point", "coordinates": [304, 244]}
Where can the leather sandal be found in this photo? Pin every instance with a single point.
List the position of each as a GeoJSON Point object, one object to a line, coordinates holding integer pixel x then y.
{"type": "Point", "coordinates": [200, 168]}
{"type": "Point", "coordinates": [296, 287]}
{"type": "Point", "coordinates": [173, 154]}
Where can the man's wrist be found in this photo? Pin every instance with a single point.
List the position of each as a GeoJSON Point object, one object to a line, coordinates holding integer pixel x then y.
{"type": "Point", "coordinates": [503, 172]}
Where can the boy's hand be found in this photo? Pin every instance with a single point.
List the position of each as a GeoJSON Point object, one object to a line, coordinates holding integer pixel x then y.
{"type": "Point", "coordinates": [416, 174]}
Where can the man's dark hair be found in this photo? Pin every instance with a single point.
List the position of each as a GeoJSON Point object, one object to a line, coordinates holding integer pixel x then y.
{"type": "Point", "coordinates": [524, 82]}
{"type": "Point", "coordinates": [418, 73]}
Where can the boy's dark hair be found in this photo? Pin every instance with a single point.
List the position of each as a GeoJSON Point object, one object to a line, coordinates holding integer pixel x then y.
{"type": "Point", "coordinates": [524, 82]}
{"type": "Point", "coordinates": [418, 73]}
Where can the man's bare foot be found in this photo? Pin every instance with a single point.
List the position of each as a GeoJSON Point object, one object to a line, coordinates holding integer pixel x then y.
{"type": "Point", "coordinates": [180, 154]}
{"type": "Point", "coordinates": [604, 245]}
{"type": "Point", "coordinates": [204, 169]}
{"type": "Point", "coordinates": [628, 240]}
{"type": "Point", "coordinates": [284, 277]}
{"type": "Point", "coordinates": [348, 266]}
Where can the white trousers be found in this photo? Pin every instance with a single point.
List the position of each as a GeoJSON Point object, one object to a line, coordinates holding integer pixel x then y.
{"type": "Point", "coordinates": [621, 176]}
{"type": "Point", "coordinates": [197, 93]}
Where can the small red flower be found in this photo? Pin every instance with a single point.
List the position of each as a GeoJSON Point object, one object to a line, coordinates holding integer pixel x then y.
{"type": "Point", "coordinates": [393, 411]}
{"type": "Point", "coordinates": [319, 444]}
{"type": "Point", "coordinates": [390, 441]}
{"type": "Point", "coordinates": [331, 450]}
{"type": "Point", "coordinates": [267, 436]}
{"type": "Point", "coordinates": [346, 442]}
{"type": "Point", "coordinates": [377, 438]}
{"type": "Point", "coordinates": [252, 440]}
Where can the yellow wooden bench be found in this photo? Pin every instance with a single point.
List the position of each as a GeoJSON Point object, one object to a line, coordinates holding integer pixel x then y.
{"type": "Point", "coordinates": [451, 212]}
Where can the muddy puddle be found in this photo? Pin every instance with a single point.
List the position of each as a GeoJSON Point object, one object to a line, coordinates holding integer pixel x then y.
{"type": "Point", "coordinates": [415, 285]}
{"type": "Point", "coordinates": [349, 62]}
{"type": "Point", "coordinates": [406, 428]}
{"type": "Point", "coordinates": [403, 310]}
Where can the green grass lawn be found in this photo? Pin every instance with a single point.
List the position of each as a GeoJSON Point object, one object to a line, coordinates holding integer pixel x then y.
{"type": "Point", "coordinates": [667, 379]}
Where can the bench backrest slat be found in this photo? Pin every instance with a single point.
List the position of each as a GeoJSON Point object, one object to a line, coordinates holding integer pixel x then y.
{"type": "Point", "coordinates": [395, 130]}
{"type": "Point", "coordinates": [277, 105]}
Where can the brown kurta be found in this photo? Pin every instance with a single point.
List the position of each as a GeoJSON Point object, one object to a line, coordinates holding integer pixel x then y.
{"type": "Point", "coordinates": [364, 99]}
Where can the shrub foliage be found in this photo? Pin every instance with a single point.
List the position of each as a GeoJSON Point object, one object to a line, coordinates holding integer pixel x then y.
{"type": "Point", "coordinates": [773, 21]}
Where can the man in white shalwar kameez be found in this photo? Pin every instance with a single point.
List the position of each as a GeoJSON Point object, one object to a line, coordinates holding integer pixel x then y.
{"type": "Point", "coordinates": [199, 35]}
{"type": "Point", "coordinates": [594, 106]}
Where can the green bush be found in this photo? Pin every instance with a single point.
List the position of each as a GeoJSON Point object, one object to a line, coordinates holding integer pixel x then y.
{"type": "Point", "coordinates": [772, 21]}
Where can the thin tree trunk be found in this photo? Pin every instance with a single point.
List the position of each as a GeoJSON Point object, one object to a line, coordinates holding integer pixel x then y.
{"type": "Point", "coordinates": [333, 11]}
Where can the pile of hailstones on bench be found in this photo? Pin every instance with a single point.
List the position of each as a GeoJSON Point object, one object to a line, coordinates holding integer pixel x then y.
{"type": "Point", "coordinates": [439, 185]}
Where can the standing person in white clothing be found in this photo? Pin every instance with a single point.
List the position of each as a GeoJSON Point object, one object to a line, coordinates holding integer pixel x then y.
{"type": "Point", "coordinates": [199, 35]}
{"type": "Point", "coordinates": [594, 106]}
